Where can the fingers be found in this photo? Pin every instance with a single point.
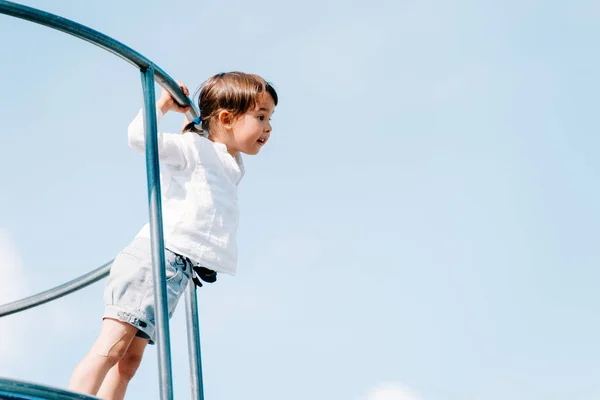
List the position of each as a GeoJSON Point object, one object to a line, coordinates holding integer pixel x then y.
{"type": "Point", "coordinates": [186, 92]}
{"type": "Point", "coordinates": [166, 101]}
{"type": "Point", "coordinates": [184, 88]}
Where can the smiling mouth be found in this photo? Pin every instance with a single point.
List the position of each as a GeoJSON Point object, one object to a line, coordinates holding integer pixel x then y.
{"type": "Point", "coordinates": [262, 141]}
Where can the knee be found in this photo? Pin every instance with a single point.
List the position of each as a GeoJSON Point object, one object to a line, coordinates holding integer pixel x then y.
{"type": "Point", "coordinates": [113, 342]}
{"type": "Point", "coordinates": [116, 353]}
{"type": "Point", "coordinates": [128, 365]}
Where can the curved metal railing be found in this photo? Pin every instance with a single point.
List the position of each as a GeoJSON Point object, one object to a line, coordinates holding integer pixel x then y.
{"type": "Point", "coordinates": [101, 40]}
{"type": "Point", "coordinates": [150, 74]}
{"type": "Point", "coordinates": [18, 390]}
{"type": "Point", "coordinates": [56, 292]}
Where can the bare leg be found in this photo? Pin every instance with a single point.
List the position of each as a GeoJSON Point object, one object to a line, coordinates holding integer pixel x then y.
{"type": "Point", "coordinates": [117, 379]}
{"type": "Point", "coordinates": [110, 347]}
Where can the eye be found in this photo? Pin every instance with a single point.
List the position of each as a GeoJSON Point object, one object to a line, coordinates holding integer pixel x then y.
{"type": "Point", "coordinates": [261, 117]}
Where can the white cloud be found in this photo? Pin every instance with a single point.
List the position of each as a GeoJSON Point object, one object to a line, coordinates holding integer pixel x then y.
{"type": "Point", "coordinates": [392, 391]}
{"type": "Point", "coordinates": [20, 332]}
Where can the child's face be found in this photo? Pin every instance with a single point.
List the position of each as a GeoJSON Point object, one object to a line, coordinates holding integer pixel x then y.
{"type": "Point", "coordinates": [251, 131]}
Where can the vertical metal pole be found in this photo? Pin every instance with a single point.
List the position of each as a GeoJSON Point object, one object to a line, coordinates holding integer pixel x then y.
{"type": "Point", "coordinates": [156, 236]}
{"type": "Point", "coordinates": [193, 333]}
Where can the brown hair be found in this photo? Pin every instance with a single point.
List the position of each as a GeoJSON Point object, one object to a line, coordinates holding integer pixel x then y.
{"type": "Point", "coordinates": [235, 92]}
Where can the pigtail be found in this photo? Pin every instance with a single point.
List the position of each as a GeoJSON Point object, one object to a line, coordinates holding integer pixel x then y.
{"type": "Point", "coordinates": [193, 127]}
{"type": "Point", "coordinates": [197, 125]}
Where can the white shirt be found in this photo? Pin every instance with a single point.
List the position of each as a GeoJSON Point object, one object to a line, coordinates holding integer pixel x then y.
{"type": "Point", "coordinates": [199, 180]}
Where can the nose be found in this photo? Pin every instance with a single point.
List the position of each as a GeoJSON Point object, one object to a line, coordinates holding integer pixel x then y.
{"type": "Point", "coordinates": [269, 127]}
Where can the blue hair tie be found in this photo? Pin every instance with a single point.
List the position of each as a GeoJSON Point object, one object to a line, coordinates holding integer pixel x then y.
{"type": "Point", "coordinates": [197, 121]}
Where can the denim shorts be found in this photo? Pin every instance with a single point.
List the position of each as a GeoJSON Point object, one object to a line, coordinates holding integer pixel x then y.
{"type": "Point", "coordinates": [129, 292]}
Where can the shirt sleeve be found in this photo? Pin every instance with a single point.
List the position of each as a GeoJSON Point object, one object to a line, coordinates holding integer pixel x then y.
{"type": "Point", "coordinates": [170, 146]}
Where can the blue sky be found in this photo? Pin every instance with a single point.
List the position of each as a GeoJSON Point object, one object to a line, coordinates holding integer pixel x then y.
{"type": "Point", "coordinates": [422, 225]}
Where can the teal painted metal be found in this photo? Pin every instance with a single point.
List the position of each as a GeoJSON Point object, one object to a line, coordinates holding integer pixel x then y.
{"type": "Point", "coordinates": [161, 311]}
{"type": "Point", "coordinates": [150, 74]}
{"type": "Point", "coordinates": [100, 40]}
{"type": "Point", "coordinates": [57, 292]}
{"type": "Point", "coordinates": [19, 390]}
{"type": "Point", "coordinates": [193, 333]}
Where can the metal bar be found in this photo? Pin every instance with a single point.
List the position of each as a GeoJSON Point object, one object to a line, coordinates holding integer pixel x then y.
{"type": "Point", "coordinates": [161, 312]}
{"type": "Point", "coordinates": [101, 40]}
{"type": "Point", "coordinates": [193, 333]}
{"type": "Point", "coordinates": [21, 390]}
{"type": "Point", "coordinates": [75, 29]}
{"type": "Point", "coordinates": [57, 292]}
{"type": "Point", "coordinates": [128, 54]}
{"type": "Point", "coordinates": [150, 73]}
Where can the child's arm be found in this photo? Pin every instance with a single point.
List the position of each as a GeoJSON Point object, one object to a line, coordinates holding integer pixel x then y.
{"type": "Point", "coordinates": [170, 146]}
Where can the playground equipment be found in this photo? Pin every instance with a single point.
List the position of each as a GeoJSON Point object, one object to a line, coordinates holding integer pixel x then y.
{"type": "Point", "coordinates": [150, 73]}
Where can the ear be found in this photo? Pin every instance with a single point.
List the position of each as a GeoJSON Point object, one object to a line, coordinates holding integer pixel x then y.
{"type": "Point", "coordinates": [225, 119]}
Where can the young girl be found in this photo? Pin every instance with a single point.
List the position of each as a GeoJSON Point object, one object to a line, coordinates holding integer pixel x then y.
{"type": "Point", "coordinates": [200, 218]}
